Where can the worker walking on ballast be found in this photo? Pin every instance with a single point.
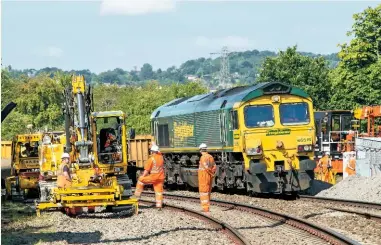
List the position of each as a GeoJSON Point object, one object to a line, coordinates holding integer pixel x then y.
{"type": "Point", "coordinates": [153, 174]}
{"type": "Point", "coordinates": [206, 171]}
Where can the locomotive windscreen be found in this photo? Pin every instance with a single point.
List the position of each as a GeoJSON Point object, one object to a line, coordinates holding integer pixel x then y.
{"type": "Point", "coordinates": [294, 113]}
{"type": "Point", "coordinates": [259, 116]}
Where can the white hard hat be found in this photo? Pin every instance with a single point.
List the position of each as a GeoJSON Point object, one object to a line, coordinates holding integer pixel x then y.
{"type": "Point", "coordinates": [327, 153]}
{"type": "Point", "coordinates": [203, 146]}
{"type": "Point", "coordinates": [65, 155]}
{"type": "Point", "coordinates": [154, 148]}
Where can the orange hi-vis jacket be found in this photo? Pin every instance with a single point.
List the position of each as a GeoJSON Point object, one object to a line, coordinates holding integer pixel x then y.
{"type": "Point", "coordinates": [62, 182]}
{"type": "Point", "coordinates": [109, 139]}
{"type": "Point", "coordinates": [324, 162]}
{"type": "Point", "coordinates": [351, 167]}
{"type": "Point", "coordinates": [154, 165]}
{"type": "Point", "coordinates": [206, 171]}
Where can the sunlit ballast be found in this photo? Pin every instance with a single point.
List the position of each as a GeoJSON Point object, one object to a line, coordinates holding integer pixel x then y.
{"type": "Point", "coordinates": [305, 148]}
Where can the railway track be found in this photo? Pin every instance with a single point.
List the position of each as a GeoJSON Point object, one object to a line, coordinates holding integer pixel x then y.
{"type": "Point", "coordinates": [325, 234]}
{"type": "Point", "coordinates": [353, 203]}
{"type": "Point", "coordinates": [234, 235]}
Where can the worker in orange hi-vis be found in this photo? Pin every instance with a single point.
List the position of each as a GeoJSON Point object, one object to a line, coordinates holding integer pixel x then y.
{"type": "Point", "coordinates": [153, 174]}
{"type": "Point", "coordinates": [351, 167]}
{"type": "Point", "coordinates": [206, 171]}
{"type": "Point", "coordinates": [325, 166]}
{"type": "Point", "coordinates": [63, 173]}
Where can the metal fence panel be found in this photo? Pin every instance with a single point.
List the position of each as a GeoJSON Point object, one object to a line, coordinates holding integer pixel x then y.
{"type": "Point", "coordinates": [368, 160]}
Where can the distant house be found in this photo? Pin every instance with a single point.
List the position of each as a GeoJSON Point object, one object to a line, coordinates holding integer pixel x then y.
{"type": "Point", "coordinates": [192, 77]}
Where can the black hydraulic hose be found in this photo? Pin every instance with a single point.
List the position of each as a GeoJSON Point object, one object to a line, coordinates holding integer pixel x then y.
{"type": "Point", "coordinates": [8, 108]}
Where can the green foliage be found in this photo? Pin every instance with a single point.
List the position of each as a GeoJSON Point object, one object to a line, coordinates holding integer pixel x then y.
{"type": "Point", "coordinates": [244, 68]}
{"type": "Point", "coordinates": [365, 48]}
{"type": "Point", "coordinates": [15, 123]}
{"type": "Point", "coordinates": [310, 74]}
{"type": "Point", "coordinates": [357, 79]}
{"type": "Point", "coordinates": [139, 102]}
{"type": "Point", "coordinates": [41, 97]}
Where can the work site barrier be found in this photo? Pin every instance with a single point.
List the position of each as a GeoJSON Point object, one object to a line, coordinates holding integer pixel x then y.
{"type": "Point", "coordinates": [368, 159]}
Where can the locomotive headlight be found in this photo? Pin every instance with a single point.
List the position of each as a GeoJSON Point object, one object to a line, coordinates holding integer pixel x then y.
{"type": "Point", "coordinates": [305, 148]}
{"type": "Point", "coordinates": [275, 98]}
{"type": "Point", "coordinates": [254, 151]}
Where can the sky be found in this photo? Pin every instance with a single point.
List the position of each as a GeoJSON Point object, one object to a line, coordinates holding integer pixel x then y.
{"type": "Point", "coordinates": [103, 35]}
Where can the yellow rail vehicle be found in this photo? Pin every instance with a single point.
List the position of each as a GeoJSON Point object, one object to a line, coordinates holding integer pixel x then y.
{"type": "Point", "coordinates": [50, 151]}
{"type": "Point", "coordinates": [97, 143]}
{"type": "Point", "coordinates": [23, 181]}
{"type": "Point", "coordinates": [261, 137]}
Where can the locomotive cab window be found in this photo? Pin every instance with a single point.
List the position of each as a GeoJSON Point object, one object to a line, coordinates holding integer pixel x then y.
{"type": "Point", "coordinates": [294, 113]}
{"type": "Point", "coordinates": [163, 135]}
{"type": "Point", "coordinates": [259, 116]}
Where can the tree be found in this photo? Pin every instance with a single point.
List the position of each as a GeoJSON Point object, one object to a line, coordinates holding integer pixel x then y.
{"type": "Point", "coordinates": [310, 74]}
{"type": "Point", "coordinates": [146, 72]}
{"type": "Point", "coordinates": [365, 48]}
{"type": "Point", "coordinates": [41, 98]}
{"type": "Point", "coordinates": [357, 79]}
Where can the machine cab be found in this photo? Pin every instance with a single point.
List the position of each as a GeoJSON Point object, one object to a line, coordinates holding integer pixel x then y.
{"type": "Point", "coordinates": [109, 132]}
{"type": "Point", "coordinates": [332, 127]}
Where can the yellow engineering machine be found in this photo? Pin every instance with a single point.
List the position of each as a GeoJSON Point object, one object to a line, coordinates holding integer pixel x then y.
{"type": "Point", "coordinates": [24, 167]}
{"type": "Point", "coordinates": [50, 152]}
{"type": "Point", "coordinates": [97, 145]}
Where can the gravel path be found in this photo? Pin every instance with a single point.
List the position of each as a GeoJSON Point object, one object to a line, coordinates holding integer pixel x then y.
{"type": "Point", "coordinates": [355, 227]}
{"type": "Point", "coordinates": [256, 229]}
{"type": "Point", "coordinates": [149, 227]}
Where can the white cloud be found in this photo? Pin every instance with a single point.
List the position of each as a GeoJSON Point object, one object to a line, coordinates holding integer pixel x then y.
{"type": "Point", "coordinates": [234, 42]}
{"type": "Point", "coordinates": [136, 7]}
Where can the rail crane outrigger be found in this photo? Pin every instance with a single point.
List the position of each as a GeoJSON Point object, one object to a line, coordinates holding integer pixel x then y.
{"type": "Point", "coordinates": [97, 145]}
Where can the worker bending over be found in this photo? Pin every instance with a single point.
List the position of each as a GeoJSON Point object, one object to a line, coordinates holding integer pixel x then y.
{"type": "Point", "coordinates": [153, 174]}
{"type": "Point", "coordinates": [63, 173]}
{"type": "Point", "coordinates": [206, 171]}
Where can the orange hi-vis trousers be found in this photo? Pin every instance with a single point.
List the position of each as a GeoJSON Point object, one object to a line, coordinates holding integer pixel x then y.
{"type": "Point", "coordinates": [205, 188]}
{"type": "Point", "coordinates": [157, 183]}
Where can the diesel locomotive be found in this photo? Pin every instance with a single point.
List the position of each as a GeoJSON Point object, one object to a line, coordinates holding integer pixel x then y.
{"type": "Point", "coordinates": [262, 138]}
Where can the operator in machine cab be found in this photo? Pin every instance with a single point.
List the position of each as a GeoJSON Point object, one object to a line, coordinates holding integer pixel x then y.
{"type": "Point", "coordinates": [206, 171]}
{"type": "Point", "coordinates": [109, 139]}
{"type": "Point", "coordinates": [153, 174]}
{"type": "Point", "coordinates": [29, 151]}
{"type": "Point", "coordinates": [325, 165]}
{"type": "Point", "coordinates": [63, 173]}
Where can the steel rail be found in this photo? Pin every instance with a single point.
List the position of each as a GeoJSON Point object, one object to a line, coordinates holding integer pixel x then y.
{"type": "Point", "coordinates": [326, 234]}
{"type": "Point", "coordinates": [374, 217]}
{"type": "Point", "coordinates": [233, 234]}
{"type": "Point", "coordinates": [354, 203]}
